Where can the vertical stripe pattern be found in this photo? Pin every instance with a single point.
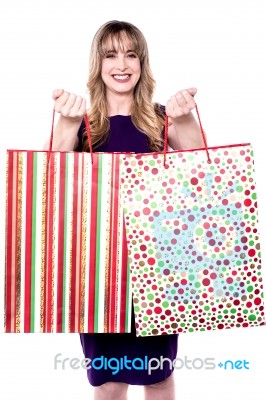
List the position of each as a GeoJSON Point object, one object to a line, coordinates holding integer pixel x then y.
{"type": "Point", "coordinates": [66, 255]}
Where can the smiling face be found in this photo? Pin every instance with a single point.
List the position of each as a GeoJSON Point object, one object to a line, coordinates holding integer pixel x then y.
{"type": "Point", "coordinates": [121, 68]}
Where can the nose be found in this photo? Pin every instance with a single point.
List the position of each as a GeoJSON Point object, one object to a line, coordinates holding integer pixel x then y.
{"type": "Point", "coordinates": [121, 63]}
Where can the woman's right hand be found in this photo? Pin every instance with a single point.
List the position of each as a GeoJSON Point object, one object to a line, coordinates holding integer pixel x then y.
{"type": "Point", "coordinates": [72, 109]}
{"type": "Point", "coordinates": [69, 105]}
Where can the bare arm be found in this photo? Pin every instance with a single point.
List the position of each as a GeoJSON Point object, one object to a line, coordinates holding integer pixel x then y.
{"type": "Point", "coordinates": [72, 108]}
{"type": "Point", "coordinates": [184, 131]}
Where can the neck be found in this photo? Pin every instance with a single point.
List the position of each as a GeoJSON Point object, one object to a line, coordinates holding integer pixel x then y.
{"type": "Point", "coordinates": [119, 104]}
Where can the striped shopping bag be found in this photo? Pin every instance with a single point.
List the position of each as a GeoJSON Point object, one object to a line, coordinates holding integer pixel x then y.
{"type": "Point", "coordinates": [66, 254]}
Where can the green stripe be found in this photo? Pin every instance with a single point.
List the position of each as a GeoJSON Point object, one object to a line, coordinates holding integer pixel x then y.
{"type": "Point", "coordinates": [65, 249]}
{"type": "Point", "coordinates": [98, 232]}
{"type": "Point", "coordinates": [33, 241]}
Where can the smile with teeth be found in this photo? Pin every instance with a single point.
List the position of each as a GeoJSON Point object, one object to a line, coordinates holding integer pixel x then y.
{"type": "Point", "coordinates": [121, 77]}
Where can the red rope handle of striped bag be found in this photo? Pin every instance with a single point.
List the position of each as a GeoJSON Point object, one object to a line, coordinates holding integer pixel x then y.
{"type": "Point", "coordinates": [87, 125]}
{"type": "Point", "coordinates": [52, 133]}
{"type": "Point", "coordinates": [88, 130]}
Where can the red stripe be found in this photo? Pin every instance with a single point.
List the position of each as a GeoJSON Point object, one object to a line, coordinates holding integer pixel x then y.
{"type": "Point", "coordinates": [124, 278]}
{"type": "Point", "coordinates": [49, 246]}
{"type": "Point", "coordinates": [28, 243]}
{"type": "Point", "coordinates": [46, 244]}
{"type": "Point", "coordinates": [61, 231]}
{"type": "Point", "coordinates": [114, 243]}
{"type": "Point", "coordinates": [77, 244]}
{"type": "Point", "coordinates": [50, 259]}
{"type": "Point", "coordinates": [16, 250]}
{"type": "Point", "coordinates": [110, 251]}
{"type": "Point", "coordinates": [93, 241]}
{"type": "Point", "coordinates": [9, 235]}
{"type": "Point", "coordinates": [14, 244]}
{"type": "Point", "coordinates": [74, 249]}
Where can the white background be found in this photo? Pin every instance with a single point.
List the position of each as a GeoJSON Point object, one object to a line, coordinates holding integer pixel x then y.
{"type": "Point", "coordinates": [216, 46]}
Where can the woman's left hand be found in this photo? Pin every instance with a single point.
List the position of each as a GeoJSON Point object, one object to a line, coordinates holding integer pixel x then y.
{"type": "Point", "coordinates": [181, 103]}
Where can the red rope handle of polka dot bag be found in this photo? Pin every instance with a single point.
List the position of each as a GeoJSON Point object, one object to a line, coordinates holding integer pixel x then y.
{"type": "Point", "coordinates": [202, 135]}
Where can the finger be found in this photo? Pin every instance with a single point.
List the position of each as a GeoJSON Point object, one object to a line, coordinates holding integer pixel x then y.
{"type": "Point", "coordinates": [61, 101]}
{"type": "Point", "coordinates": [190, 102]}
{"type": "Point", "coordinates": [69, 104]}
{"type": "Point", "coordinates": [192, 91]}
{"type": "Point", "coordinates": [83, 107]}
{"type": "Point", "coordinates": [65, 104]}
{"type": "Point", "coordinates": [181, 100]}
{"type": "Point", "coordinates": [57, 93]}
{"type": "Point", "coordinates": [77, 109]}
{"type": "Point", "coordinates": [180, 104]}
{"type": "Point", "coordinates": [174, 110]}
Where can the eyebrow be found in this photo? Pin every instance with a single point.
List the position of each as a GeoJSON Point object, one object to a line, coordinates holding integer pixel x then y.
{"type": "Point", "coordinates": [115, 51]}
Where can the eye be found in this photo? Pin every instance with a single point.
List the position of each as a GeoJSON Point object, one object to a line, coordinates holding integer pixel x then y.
{"type": "Point", "coordinates": [110, 54]}
{"type": "Point", "coordinates": [132, 55]}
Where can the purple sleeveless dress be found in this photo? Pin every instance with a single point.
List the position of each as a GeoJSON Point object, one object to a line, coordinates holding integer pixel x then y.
{"type": "Point", "coordinates": [134, 351]}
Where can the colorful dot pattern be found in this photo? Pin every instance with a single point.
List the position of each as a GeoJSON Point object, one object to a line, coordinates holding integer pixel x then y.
{"type": "Point", "coordinates": [193, 240]}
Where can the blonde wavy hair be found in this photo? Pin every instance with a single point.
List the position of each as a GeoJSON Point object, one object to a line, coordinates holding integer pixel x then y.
{"type": "Point", "coordinates": [146, 115]}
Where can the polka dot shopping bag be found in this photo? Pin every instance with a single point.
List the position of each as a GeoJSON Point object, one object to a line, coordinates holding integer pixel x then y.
{"type": "Point", "coordinates": [193, 242]}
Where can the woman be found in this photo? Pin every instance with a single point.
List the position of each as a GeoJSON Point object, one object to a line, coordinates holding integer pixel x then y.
{"type": "Point", "coordinates": [123, 118]}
